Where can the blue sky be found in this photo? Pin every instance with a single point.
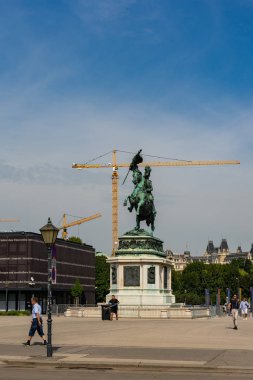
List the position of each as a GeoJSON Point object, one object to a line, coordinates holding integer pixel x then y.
{"type": "Point", "coordinates": [81, 77]}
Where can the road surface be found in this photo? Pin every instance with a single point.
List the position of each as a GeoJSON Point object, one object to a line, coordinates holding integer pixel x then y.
{"type": "Point", "coordinates": [75, 374]}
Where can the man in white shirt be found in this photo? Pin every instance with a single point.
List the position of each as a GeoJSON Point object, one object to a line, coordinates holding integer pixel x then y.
{"type": "Point", "coordinates": [36, 324]}
{"type": "Point", "coordinates": [244, 306]}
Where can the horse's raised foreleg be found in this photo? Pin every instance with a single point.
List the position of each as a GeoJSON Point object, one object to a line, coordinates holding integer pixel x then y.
{"type": "Point", "coordinates": [129, 199]}
{"type": "Point", "coordinates": [140, 204]}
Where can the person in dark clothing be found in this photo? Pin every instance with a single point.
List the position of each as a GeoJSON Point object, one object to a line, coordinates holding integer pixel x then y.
{"type": "Point", "coordinates": [235, 304]}
{"type": "Point", "coordinates": [114, 307]}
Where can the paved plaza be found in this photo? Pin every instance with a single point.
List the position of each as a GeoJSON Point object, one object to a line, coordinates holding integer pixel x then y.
{"type": "Point", "coordinates": [213, 333]}
{"type": "Point", "coordinates": [162, 344]}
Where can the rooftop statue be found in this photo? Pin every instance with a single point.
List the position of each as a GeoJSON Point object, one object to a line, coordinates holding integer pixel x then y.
{"type": "Point", "coordinates": [141, 199]}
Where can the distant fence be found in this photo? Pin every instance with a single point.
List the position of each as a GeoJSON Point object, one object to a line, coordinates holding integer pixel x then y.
{"type": "Point", "coordinates": [142, 311]}
{"type": "Point", "coordinates": [147, 311]}
{"type": "Point", "coordinates": [61, 308]}
{"type": "Point", "coordinates": [217, 311]}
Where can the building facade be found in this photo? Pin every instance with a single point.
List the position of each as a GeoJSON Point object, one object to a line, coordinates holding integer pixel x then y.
{"type": "Point", "coordinates": [222, 254]}
{"type": "Point", "coordinates": [212, 255]}
{"type": "Point", "coordinates": [23, 270]}
{"type": "Point", "coordinates": [179, 260]}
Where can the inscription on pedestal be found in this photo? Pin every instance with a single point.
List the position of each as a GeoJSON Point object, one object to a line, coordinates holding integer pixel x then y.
{"type": "Point", "coordinates": [165, 277]}
{"type": "Point", "coordinates": [131, 276]}
{"type": "Point", "coordinates": [114, 275]}
{"type": "Point", "coordinates": [151, 275]}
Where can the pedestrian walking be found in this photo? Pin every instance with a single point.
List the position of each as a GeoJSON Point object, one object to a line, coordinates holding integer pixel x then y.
{"type": "Point", "coordinates": [114, 307]}
{"type": "Point", "coordinates": [244, 306]}
{"type": "Point", "coordinates": [36, 323]}
{"type": "Point", "coordinates": [235, 304]}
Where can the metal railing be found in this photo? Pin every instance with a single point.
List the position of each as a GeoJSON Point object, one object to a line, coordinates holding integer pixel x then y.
{"type": "Point", "coordinates": [61, 308]}
{"type": "Point", "coordinates": [217, 311]}
{"type": "Point", "coordinates": [138, 311]}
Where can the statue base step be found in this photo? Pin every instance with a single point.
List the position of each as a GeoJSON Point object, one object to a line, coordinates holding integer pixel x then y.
{"type": "Point", "coordinates": [143, 297]}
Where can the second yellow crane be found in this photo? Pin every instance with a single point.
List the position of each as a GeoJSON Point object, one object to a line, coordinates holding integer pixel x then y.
{"type": "Point", "coordinates": [66, 225]}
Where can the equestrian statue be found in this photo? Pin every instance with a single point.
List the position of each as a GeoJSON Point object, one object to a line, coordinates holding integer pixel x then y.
{"type": "Point", "coordinates": [141, 199]}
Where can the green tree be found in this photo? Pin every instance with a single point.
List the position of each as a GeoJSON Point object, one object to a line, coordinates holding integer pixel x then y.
{"type": "Point", "coordinates": [190, 285]}
{"type": "Point", "coordinates": [177, 285]}
{"type": "Point", "coordinates": [192, 277]}
{"type": "Point", "coordinates": [75, 239]}
{"type": "Point", "coordinates": [77, 291]}
{"type": "Point", "coordinates": [176, 281]}
{"type": "Point", "coordinates": [248, 267]}
{"type": "Point", "coordinates": [102, 279]}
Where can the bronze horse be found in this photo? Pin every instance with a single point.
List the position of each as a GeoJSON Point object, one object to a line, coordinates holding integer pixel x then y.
{"type": "Point", "coordinates": [141, 199]}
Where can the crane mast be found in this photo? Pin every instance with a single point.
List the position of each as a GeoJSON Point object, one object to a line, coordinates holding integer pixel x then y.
{"type": "Point", "coordinates": [115, 203]}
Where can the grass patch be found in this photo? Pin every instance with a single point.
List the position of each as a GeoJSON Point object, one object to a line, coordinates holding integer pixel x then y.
{"type": "Point", "coordinates": [15, 313]}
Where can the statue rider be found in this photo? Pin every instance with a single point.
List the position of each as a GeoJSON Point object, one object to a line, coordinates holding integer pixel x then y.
{"type": "Point", "coordinates": [148, 187]}
{"type": "Point", "coordinates": [136, 161]}
{"type": "Point", "coordinates": [137, 177]}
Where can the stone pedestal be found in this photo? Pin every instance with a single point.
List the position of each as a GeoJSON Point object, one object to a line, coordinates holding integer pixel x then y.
{"type": "Point", "coordinates": [140, 272]}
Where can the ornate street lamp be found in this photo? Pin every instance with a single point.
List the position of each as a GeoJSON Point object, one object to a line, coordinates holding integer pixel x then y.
{"type": "Point", "coordinates": [49, 234]}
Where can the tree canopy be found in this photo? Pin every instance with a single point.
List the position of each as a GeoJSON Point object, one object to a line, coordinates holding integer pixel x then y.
{"type": "Point", "coordinates": [102, 281]}
{"type": "Point", "coordinates": [77, 289]}
{"type": "Point", "coordinates": [75, 239]}
{"type": "Point", "coordinates": [190, 284]}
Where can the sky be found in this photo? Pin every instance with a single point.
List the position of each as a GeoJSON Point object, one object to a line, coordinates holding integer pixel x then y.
{"type": "Point", "coordinates": [79, 78]}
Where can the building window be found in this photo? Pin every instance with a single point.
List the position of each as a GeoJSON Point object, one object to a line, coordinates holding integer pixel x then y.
{"type": "Point", "coordinates": [3, 248]}
{"type": "Point", "coordinates": [22, 247]}
{"type": "Point", "coordinates": [13, 247]}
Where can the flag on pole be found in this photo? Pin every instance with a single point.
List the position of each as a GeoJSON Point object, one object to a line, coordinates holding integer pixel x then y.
{"type": "Point", "coordinates": [207, 297]}
{"type": "Point", "coordinates": [53, 272]}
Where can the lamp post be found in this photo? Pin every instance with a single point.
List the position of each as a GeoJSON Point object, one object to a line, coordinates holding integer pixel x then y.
{"type": "Point", "coordinates": [49, 234]}
{"type": "Point", "coordinates": [238, 287]}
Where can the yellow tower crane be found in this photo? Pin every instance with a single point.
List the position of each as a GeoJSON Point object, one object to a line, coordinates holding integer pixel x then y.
{"type": "Point", "coordinates": [115, 176]}
{"type": "Point", "coordinates": [66, 225]}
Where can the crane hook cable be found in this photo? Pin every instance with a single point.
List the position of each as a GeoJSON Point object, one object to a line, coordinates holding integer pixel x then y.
{"type": "Point", "coordinates": [149, 155]}
{"type": "Point", "coordinates": [96, 158]}
{"type": "Point", "coordinates": [146, 155]}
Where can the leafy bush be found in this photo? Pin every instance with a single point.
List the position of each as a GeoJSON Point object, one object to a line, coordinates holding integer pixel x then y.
{"type": "Point", "coordinates": [102, 281]}
{"type": "Point", "coordinates": [15, 313]}
{"type": "Point", "coordinates": [75, 239]}
{"type": "Point", "coordinates": [77, 291]}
